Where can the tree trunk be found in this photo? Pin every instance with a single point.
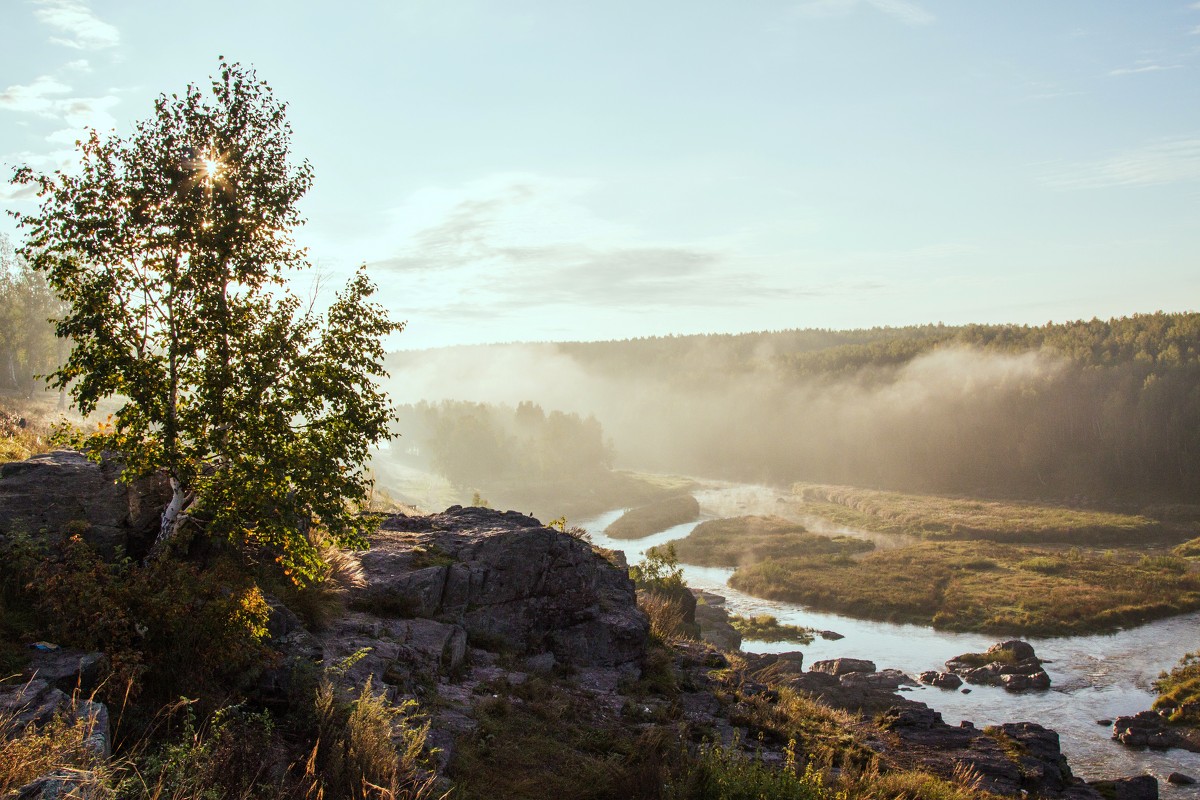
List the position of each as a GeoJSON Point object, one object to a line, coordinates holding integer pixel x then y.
{"type": "Point", "coordinates": [180, 498]}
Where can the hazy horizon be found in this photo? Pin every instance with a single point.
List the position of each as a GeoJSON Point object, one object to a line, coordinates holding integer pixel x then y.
{"type": "Point", "coordinates": [549, 172]}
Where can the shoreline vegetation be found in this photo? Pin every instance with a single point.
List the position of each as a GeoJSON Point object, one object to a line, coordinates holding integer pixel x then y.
{"type": "Point", "coordinates": [766, 628]}
{"type": "Point", "coordinates": [640, 522]}
{"type": "Point", "coordinates": [942, 518]}
{"type": "Point", "coordinates": [985, 587]}
{"type": "Point", "coordinates": [738, 541]}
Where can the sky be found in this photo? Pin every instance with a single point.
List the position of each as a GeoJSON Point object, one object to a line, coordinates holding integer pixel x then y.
{"type": "Point", "coordinates": [540, 170]}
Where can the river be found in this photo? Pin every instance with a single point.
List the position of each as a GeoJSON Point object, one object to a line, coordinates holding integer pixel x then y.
{"type": "Point", "coordinates": [1093, 677]}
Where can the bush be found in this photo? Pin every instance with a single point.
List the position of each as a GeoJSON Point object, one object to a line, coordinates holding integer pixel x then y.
{"type": "Point", "coordinates": [171, 626]}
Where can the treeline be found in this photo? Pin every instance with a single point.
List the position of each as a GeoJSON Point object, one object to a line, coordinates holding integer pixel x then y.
{"type": "Point", "coordinates": [28, 347]}
{"type": "Point", "coordinates": [1147, 338]}
{"type": "Point", "coordinates": [478, 445]}
{"type": "Point", "coordinates": [1098, 411]}
{"type": "Point", "coordinates": [1103, 409]}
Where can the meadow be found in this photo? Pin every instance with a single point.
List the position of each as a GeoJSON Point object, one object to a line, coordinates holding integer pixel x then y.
{"type": "Point", "coordinates": [735, 541]}
{"type": "Point", "coordinates": [954, 518]}
{"type": "Point", "coordinates": [985, 586]}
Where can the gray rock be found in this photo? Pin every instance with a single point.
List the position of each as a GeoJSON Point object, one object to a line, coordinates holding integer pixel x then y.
{"type": "Point", "coordinates": [1142, 787]}
{"type": "Point", "coordinates": [62, 785]}
{"type": "Point", "coordinates": [888, 679]}
{"type": "Point", "coordinates": [53, 495]}
{"type": "Point", "coordinates": [1012, 665]}
{"type": "Point", "coordinates": [507, 581]}
{"type": "Point", "coordinates": [942, 680]}
{"type": "Point", "coordinates": [540, 663]}
{"type": "Point", "coordinates": [1179, 779]}
{"type": "Point", "coordinates": [67, 669]}
{"type": "Point", "coordinates": [842, 666]}
{"type": "Point", "coordinates": [36, 702]}
{"type": "Point", "coordinates": [1019, 650]}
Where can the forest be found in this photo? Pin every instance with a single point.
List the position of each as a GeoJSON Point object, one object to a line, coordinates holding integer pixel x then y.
{"type": "Point", "coordinates": [1091, 411]}
{"type": "Point", "coordinates": [28, 347]}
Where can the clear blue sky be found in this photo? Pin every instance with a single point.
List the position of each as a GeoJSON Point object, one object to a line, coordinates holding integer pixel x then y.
{"type": "Point", "coordinates": [570, 170]}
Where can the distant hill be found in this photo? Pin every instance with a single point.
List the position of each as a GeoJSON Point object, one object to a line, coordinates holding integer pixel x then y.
{"type": "Point", "coordinates": [1103, 411]}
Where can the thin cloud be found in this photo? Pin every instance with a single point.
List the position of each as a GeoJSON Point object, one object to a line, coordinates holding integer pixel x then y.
{"type": "Point", "coordinates": [39, 97]}
{"type": "Point", "coordinates": [485, 247]}
{"type": "Point", "coordinates": [907, 12]}
{"type": "Point", "coordinates": [45, 98]}
{"type": "Point", "coordinates": [83, 29]}
{"type": "Point", "coordinates": [1144, 68]}
{"type": "Point", "coordinates": [1172, 161]}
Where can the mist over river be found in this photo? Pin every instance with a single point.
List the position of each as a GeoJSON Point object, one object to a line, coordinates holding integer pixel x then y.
{"type": "Point", "coordinates": [1093, 677]}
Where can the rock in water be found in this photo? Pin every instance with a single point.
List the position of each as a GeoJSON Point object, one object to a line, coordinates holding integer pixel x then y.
{"type": "Point", "coordinates": [843, 666]}
{"type": "Point", "coordinates": [1012, 664]}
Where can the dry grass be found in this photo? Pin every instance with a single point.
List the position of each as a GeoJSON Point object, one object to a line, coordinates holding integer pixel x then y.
{"type": "Point", "coordinates": [25, 429]}
{"type": "Point", "coordinates": [643, 521]}
{"type": "Point", "coordinates": [665, 613]}
{"type": "Point", "coordinates": [946, 518]}
{"type": "Point", "coordinates": [982, 586]}
{"type": "Point", "coordinates": [737, 541]}
{"type": "Point", "coordinates": [60, 746]}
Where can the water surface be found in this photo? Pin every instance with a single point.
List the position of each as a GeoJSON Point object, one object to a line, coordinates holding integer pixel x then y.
{"type": "Point", "coordinates": [1094, 677]}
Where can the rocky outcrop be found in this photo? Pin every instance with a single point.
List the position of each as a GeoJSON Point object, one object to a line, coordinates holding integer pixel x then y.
{"type": "Point", "coordinates": [1012, 665]}
{"type": "Point", "coordinates": [508, 582]}
{"type": "Point", "coordinates": [66, 669]}
{"type": "Point", "coordinates": [1150, 729]}
{"type": "Point", "coordinates": [1020, 758]}
{"type": "Point", "coordinates": [54, 495]}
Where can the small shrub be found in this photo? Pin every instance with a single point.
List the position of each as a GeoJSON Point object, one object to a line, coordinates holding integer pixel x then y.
{"type": "Point", "coordinates": [659, 571]}
{"type": "Point", "coordinates": [1166, 563]}
{"type": "Point", "coordinates": [665, 614]}
{"type": "Point", "coordinates": [355, 757]}
{"type": "Point", "coordinates": [766, 628]}
{"type": "Point", "coordinates": [1046, 565]}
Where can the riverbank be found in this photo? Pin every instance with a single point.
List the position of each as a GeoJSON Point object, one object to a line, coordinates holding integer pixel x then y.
{"type": "Point", "coordinates": [951, 518]}
{"type": "Point", "coordinates": [985, 587]}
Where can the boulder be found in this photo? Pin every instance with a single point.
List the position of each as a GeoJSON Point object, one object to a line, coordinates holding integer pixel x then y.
{"type": "Point", "coordinates": [36, 702]}
{"type": "Point", "coordinates": [942, 680]}
{"type": "Point", "coordinates": [888, 679]}
{"type": "Point", "coordinates": [713, 621]}
{"type": "Point", "coordinates": [1013, 649]}
{"type": "Point", "coordinates": [1179, 779]}
{"type": "Point", "coordinates": [1141, 787]}
{"type": "Point", "coordinates": [506, 580]}
{"type": "Point", "coordinates": [1013, 665]}
{"type": "Point", "coordinates": [53, 495]}
{"type": "Point", "coordinates": [67, 669]}
{"type": "Point", "coordinates": [1143, 729]}
{"type": "Point", "coordinates": [65, 784]}
{"type": "Point", "coordinates": [843, 666]}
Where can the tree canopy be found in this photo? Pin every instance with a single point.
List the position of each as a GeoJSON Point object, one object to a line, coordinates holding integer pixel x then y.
{"type": "Point", "coordinates": [170, 248]}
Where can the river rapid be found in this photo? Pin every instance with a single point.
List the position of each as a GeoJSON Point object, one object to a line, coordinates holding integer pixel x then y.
{"type": "Point", "coordinates": [1093, 677]}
